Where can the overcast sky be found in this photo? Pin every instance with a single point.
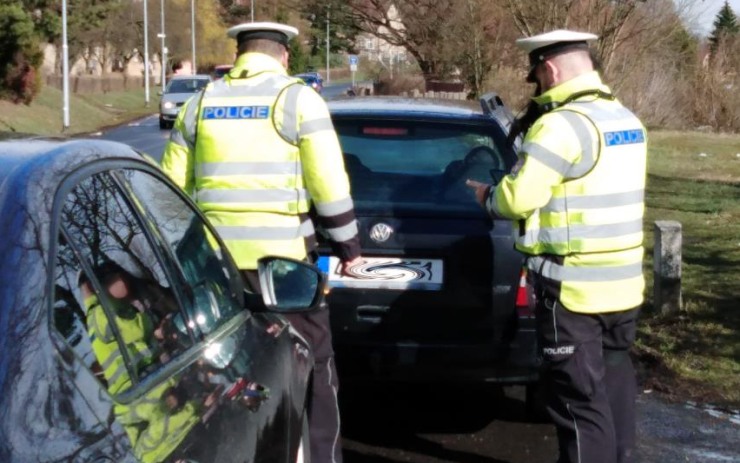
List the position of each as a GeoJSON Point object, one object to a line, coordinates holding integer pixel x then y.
{"type": "Point", "coordinates": [706, 10]}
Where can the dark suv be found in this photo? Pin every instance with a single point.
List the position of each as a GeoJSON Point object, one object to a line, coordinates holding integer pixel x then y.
{"type": "Point", "coordinates": [442, 294]}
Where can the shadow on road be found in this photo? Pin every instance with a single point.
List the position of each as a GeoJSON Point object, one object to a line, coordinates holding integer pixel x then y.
{"type": "Point", "coordinates": [396, 416]}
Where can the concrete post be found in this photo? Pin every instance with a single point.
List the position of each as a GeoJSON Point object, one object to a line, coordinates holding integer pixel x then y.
{"type": "Point", "coordinates": [667, 266]}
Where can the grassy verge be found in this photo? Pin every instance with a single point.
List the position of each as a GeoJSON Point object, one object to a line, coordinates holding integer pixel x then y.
{"type": "Point", "coordinates": [694, 178]}
{"type": "Point", "coordinates": [87, 113]}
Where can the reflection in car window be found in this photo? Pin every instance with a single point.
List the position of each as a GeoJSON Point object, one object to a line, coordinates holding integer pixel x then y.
{"type": "Point", "coordinates": [210, 276]}
{"type": "Point", "coordinates": [131, 315]}
{"type": "Point", "coordinates": [421, 165]}
{"type": "Point", "coordinates": [69, 313]}
{"type": "Point", "coordinates": [157, 422]}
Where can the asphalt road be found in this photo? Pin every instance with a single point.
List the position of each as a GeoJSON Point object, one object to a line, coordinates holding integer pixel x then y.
{"type": "Point", "coordinates": [487, 424]}
{"type": "Point", "coordinates": [482, 423]}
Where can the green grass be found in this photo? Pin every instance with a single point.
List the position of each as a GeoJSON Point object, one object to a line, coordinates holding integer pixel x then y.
{"type": "Point", "coordinates": [87, 113]}
{"type": "Point", "coordinates": [696, 353]}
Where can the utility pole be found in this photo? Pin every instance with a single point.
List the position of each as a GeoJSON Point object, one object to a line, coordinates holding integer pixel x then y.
{"type": "Point", "coordinates": [65, 69]}
{"type": "Point", "coordinates": [252, 11]}
{"type": "Point", "coordinates": [163, 55]}
{"type": "Point", "coordinates": [146, 55]}
{"type": "Point", "coordinates": [328, 73]}
{"type": "Point", "coordinates": [192, 28]}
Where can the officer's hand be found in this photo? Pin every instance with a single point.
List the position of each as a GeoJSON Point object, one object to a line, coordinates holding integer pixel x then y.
{"type": "Point", "coordinates": [347, 266]}
{"type": "Point", "coordinates": [481, 190]}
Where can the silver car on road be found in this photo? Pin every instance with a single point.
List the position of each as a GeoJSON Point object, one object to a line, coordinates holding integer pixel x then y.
{"type": "Point", "coordinates": [179, 89]}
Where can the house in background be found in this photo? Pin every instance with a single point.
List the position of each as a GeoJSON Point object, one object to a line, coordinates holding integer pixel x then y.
{"type": "Point", "coordinates": [375, 49]}
{"type": "Point", "coordinates": [90, 66]}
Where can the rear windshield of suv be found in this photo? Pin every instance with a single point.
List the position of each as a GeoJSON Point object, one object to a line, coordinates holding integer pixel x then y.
{"type": "Point", "coordinates": [420, 165]}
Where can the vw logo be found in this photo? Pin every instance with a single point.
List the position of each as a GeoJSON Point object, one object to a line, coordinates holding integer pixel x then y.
{"type": "Point", "coordinates": [381, 232]}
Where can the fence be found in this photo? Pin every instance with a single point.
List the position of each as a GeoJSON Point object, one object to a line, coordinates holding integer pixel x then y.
{"type": "Point", "coordinates": [432, 94]}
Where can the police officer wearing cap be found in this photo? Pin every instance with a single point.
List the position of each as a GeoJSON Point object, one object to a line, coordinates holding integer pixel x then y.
{"type": "Point", "coordinates": [258, 152]}
{"type": "Point", "coordinates": [578, 194]}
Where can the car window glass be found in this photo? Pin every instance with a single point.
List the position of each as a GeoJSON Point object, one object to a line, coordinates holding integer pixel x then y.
{"type": "Point", "coordinates": [186, 85]}
{"type": "Point", "coordinates": [131, 313]}
{"type": "Point", "coordinates": [162, 417]}
{"type": "Point", "coordinates": [420, 165]}
{"type": "Point", "coordinates": [211, 279]}
{"type": "Point", "coordinates": [69, 313]}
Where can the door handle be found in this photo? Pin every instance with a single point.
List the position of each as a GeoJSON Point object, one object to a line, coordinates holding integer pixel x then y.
{"type": "Point", "coordinates": [372, 313]}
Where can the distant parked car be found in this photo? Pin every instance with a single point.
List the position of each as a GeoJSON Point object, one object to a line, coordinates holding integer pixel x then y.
{"type": "Point", "coordinates": [178, 90]}
{"type": "Point", "coordinates": [441, 296]}
{"type": "Point", "coordinates": [313, 80]}
{"type": "Point", "coordinates": [126, 333]}
{"type": "Point", "coordinates": [221, 70]}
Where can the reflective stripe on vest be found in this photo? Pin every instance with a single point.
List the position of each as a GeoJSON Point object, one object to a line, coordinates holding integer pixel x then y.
{"type": "Point", "coordinates": [599, 206]}
{"type": "Point", "coordinates": [265, 233]}
{"type": "Point", "coordinates": [557, 162]}
{"type": "Point", "coordinates": [553, 271]}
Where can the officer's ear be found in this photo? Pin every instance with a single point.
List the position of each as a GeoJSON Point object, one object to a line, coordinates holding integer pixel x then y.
{"type": "Point", "coordinates": [549, 73]}
{"type": "Point", "coordinates": [286, 56]}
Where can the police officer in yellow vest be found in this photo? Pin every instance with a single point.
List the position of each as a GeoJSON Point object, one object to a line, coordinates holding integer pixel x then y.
{"type": "Point", "coordinates": [257, 150]}
{"type": "Point", "coordinates": [578, 194]}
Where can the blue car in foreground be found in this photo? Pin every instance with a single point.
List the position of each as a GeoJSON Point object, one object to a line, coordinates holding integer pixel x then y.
{"type": "Point", "coordinates": [126, 331]}
{"type": "Point", "coordinates": [441, 296]}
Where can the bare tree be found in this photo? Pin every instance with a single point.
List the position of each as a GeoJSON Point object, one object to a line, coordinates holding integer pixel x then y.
{"type": "Point", "coordinates": [715, 96]}
{"type": "Point", "coordinates": [532, 17]}
{"type": "Point", "coordinates": [421, 27]}
{"type": "Point", "coordinates": [482, 41]}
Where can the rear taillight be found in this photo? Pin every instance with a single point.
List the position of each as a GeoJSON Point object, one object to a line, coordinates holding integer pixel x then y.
{"type": "Point", "coordinates": [523, 308]}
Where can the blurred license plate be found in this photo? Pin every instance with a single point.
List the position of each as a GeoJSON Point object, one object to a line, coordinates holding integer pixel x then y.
{"type": "Point", "coordinates": [386, 273]}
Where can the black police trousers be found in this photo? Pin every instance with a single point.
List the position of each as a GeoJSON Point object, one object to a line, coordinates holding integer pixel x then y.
{"type": "Point", "coordinates": [589, 381]}
{"type": "Point", "coordinates": [323, 405]}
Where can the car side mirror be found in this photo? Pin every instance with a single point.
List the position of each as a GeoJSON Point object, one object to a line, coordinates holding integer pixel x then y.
{"type": "Point", "coordinates": [289, 285]}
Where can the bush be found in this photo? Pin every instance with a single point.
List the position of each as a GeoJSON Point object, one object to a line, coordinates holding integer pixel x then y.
{"type": "Point", "coordinates": [20, 82]}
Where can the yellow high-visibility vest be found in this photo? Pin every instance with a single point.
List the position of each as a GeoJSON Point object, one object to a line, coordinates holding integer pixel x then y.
{"type": "Point", "coordinates": [583, 230]}
{"type": "Point", "coordinates": [256, 152]}
{"type": "Point", "coordinates": [599, 206]}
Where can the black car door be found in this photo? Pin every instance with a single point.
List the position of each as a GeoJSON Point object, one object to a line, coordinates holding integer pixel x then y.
{"type": "Point", "coordinates": [153, 308]}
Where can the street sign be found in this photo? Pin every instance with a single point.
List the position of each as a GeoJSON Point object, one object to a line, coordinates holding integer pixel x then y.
{"type": "Point", "coordinates": [353, 59]}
